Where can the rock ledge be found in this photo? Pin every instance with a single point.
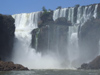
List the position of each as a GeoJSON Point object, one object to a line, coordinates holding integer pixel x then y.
{"type": "Point", "coordinates": [8, 66]}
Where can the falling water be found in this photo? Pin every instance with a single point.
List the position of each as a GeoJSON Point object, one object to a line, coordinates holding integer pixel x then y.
{"type": "Point", "coordinates": [59, 13]}
{"type": "Point", "coordinates": [71, 15]}
{"type": "Point", "coordinates": [73, 43]}
{"type": "Point", "coordinates": [23, 53]}
{"type": "Point", "coordinates": [25, 23]}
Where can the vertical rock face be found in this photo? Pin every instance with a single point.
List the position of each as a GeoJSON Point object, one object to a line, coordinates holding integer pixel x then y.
{"type": "Point", "coordinates": [7, 29]}
{"type": "Point", "coordinates": [52, 36]}
{"type": "Point", "coordinates": [98, 11]}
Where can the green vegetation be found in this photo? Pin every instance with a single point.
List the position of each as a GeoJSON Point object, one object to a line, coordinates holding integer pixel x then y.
{"type": "Point", "coordinates": [44, 9]}
{"type": "Point", "coordinates": [46, 15]}
{"type": "Point", "coordinates": [77, 5]}
{"type": "Point", "coordinates": [59, 7]}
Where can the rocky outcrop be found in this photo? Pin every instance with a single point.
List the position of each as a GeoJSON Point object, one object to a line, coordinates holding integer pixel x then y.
{"type": "Point", "coordinates": [51, 36]}
{"type": "Point", "coordinates": [8, 66]}
{"type": "Point", "coordinates": [62, 21]}
{"type": "Point", "coordinates": [7, 29]}
{"type": "Point", "coordinates": [95, 64]}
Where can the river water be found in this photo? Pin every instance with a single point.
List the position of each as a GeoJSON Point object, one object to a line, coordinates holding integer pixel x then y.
{"type": "Point", "coordinates": [52, 72]}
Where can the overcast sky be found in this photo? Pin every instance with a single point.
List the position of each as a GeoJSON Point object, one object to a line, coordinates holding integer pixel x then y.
{"type": "Point", "coordinates": [28, 6]}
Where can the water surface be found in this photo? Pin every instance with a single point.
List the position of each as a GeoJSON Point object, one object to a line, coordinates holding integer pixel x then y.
{"type": "Point", "coordinates": [52, 72]}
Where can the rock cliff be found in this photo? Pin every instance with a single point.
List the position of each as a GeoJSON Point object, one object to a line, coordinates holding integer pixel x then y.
{"type": "Point", "coordinates": [7, 29]}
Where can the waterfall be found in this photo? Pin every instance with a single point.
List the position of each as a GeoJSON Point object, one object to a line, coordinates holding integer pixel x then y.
{"type": "Point", "coordinates": [73, 49]}
{"type": "Point", "coordinates": [59, 13]}
{"type": "Point", "coordinates": [83, 14]}
{"type": "Point", "coordinates": [26, 22]}
{"type": "Point", "coordinates": [71, 15]}
{"type": "Point", "coordinates": [95, 11]}
{"type": "Point", "coordinates": [22, 52]}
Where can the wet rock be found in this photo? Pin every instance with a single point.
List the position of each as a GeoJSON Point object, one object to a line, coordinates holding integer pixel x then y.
{"type": "Point", "coordinates": [7, 29]}
{"type": "Point", "coordinates": [62, 21]}
{"type": "Point", "coordinates": [8, 66]}
{"type": "Point", "coordinates": [95, 64]}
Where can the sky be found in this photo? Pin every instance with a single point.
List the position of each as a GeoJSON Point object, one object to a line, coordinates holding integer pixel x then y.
{"type": "Point", "coordinates": [10, 7]}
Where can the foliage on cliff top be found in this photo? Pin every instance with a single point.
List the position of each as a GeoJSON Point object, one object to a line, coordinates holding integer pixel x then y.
{"type": "Point", "coordinates": [59, 7]}
{"type": "Point", "coordinates": [46, 15]}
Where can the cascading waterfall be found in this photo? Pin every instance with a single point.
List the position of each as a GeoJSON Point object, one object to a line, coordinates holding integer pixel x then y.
{"type": "Point", "coordinates": [59, 13]}
{"type": "Point", "coordinates": [95, 11]}
{"type": "Point", "coordinates": [23, 53]}
{"type": "Point", "coordinates": [25, 23]}
{"type": "Point", "coordinates": [71, 15]}
{"type": "Point", "coordinates": [73, 43]}
{"type": "Point", "coordinates": [83, 14]}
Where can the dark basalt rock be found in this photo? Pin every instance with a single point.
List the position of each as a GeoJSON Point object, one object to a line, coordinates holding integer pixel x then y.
{"type": "Point", "coordinates": [62, 21]}
{"type": "Point", "coordinates": [7, 29]}
{"type": "Point", "coordinates": [50, 37]}
{"type": "Point", "coordinates": [98, 11]}
{"type": "Point", "coordinates": [8, 66]}
{"type": "Point", "coordinates": [46, 37]}
{"type": "Point", "coordinates": [95, 64]}
{"type": "Point", "coordinates": [46, 16]}
{"type": "Point", "coordinates": [59, 21]}
{"type": "Point", "coordinates": [49, 34]}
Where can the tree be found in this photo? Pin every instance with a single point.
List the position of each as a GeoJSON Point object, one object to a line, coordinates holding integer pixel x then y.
{"type": "Point", "coordinates": [44, 9]}
{"type": "Point", "coordinates": [77, 5]}
{"type": "Point", "coordinates": [59, 7]}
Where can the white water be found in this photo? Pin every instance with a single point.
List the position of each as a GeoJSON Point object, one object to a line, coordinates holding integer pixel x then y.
{"type": "Point", "coordinates": [73, 43]}
{"type": "Point", "coordinates": [59, 13]}
{"type": "Point", "coordinates": [23, 53]}
{"type": "Point", "coordinates": [71, 15]}
{"type": "Point", "coordinates": [87, 14]}
{"type": "Point", "coordinates": [83, 14]}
